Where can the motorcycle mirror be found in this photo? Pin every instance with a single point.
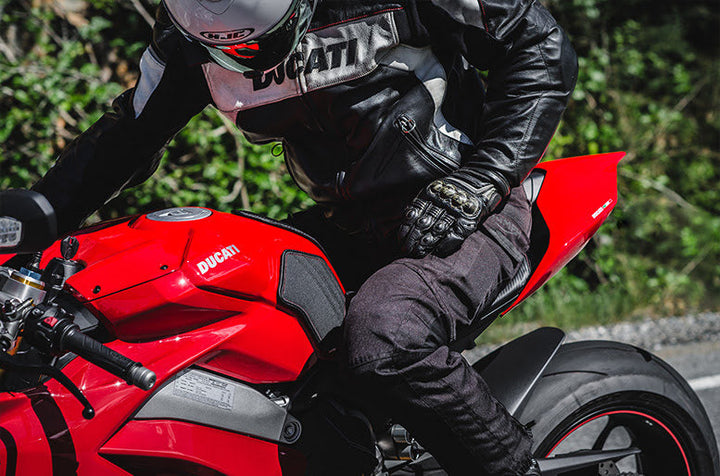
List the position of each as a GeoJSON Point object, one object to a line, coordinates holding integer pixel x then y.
{"type": "Point", "coordinates": [27, 222]}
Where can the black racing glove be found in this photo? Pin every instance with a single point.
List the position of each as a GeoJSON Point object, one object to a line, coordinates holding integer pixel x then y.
{"type": "Point", "coordinates": [445, 213]}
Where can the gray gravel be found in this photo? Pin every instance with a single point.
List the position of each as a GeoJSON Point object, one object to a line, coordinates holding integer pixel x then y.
{"type": "Point", "coordinates": [650, 334]}
{"type": "Point", "coordinates": [654, 334]}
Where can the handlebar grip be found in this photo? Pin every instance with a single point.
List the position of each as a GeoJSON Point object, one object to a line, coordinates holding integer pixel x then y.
{"type": "Point", "coordinates": [104, 357]}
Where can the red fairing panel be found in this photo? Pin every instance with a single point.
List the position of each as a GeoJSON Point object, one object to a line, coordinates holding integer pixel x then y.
{"type": "Point", "coordinates": [24, 449]}
{"type": "Point", "coordinates": [47, 434]}
{"type": "Point", "coordinates": [146, 281]}
{"type": "Point", "coordinates": [576, 197]}
{"type": "Point", "coordinates": [160, 445]}
{"type": "Point", "coordinates": [120, 256]}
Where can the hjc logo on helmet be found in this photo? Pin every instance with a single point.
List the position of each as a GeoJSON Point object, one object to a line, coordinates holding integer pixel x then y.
{"type": "Point", "coordinates": [275, 26]}
{"type": "Point", "coordinates": [227, 35]}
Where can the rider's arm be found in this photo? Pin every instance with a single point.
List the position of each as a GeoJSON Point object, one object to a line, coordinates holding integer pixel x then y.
{"type": "Point", "coordinates": [532, 71]}
{"type": "Point", "coordinates": [124, 147]}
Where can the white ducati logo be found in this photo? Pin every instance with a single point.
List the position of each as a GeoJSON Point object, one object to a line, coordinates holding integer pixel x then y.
{"type": "Point", "coordinates": [216, 258]}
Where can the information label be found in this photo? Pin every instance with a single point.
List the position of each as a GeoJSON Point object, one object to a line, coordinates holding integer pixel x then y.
{"type": "Point", "coordinates": [205, 389]}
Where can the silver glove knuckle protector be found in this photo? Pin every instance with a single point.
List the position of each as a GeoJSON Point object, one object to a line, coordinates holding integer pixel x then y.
{"type": "Point", "coordinates": [446, 212]}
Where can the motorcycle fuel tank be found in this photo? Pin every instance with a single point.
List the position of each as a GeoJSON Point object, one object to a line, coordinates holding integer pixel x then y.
{"type": "Point", "coordinates": [174, 270]}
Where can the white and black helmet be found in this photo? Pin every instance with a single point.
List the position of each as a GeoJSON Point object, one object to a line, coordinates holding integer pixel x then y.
{"type": "Point", "coordinates": [243, 35]}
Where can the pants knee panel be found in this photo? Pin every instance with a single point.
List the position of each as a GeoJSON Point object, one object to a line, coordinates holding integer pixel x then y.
{"type": "Point", "coordinates": [392, 321]}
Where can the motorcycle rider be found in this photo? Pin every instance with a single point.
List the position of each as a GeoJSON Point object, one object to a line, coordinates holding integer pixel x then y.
{"type": "Point", "coordinates": [415, 165]}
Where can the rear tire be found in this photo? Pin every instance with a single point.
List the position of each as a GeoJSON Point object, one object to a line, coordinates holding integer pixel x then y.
{"type": "Point", "coordinates": [609, 395]}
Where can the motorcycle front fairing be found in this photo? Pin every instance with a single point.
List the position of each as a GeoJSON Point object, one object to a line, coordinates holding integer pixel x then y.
{"type": "Point", "coordinates": [194, 295]}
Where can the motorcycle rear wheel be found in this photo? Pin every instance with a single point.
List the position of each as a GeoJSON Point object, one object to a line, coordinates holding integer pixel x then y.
{"type": "Point", "coordinates": [606, 395]}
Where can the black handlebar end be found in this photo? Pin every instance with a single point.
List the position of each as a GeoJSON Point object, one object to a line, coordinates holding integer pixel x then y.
{"type": "Point", "coordinates": [141, 377]}
{"type": "Point", "coordinates": [71, 338]}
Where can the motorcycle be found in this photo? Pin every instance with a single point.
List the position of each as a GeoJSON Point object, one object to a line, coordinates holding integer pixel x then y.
{"type": "Point", "coordinates": [234, 318]}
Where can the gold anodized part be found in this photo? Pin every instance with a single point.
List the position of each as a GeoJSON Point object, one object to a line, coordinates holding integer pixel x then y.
{"type": "Point", "coordinates": [27, 281]}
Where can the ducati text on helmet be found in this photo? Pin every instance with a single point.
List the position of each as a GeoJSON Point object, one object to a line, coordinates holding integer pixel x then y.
{"type": "Point", "coordinates": [243, 35]}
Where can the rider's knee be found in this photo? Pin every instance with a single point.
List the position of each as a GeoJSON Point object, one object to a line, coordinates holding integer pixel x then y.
{"type": "Point", "coordinates": [391, 322]}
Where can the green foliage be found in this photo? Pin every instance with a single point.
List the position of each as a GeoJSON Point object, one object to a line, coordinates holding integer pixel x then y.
{"type": "Point", "coordinates": [649, 84]}
{"type": "Point", "coordinates": [51, 86]}
{"type": "Point", "coordinates": [59, 71]}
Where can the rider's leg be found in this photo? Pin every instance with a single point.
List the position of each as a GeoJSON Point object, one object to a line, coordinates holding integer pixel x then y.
{"type": "Point", "coordinates": [397, 332]}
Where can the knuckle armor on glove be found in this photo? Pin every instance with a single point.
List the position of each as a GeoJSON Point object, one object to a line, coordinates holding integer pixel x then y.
{"type": "Point", "coordinates": [445, 213]}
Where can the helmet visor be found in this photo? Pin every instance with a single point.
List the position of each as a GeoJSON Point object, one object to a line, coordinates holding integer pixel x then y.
{"type": "Point", "coordinates": [271, 48]}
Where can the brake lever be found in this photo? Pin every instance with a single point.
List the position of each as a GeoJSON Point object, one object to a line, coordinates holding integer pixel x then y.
{"type": "Point", "coordinates": [11, 363]}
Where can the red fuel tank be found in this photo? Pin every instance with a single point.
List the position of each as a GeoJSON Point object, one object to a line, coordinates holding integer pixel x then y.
{"type": "Point", "coordinates": [175, 270]}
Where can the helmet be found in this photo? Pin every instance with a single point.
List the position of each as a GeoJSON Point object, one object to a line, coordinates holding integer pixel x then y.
{"type": "Point", "coordinates": [243, 35]}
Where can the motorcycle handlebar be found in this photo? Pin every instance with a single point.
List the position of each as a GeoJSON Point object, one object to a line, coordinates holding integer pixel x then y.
{"type": "Point", "coordinates": [73, 340]}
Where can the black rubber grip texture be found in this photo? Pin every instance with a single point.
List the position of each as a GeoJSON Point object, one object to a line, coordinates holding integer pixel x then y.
{"type": "Point", "coordinates": [117, 364]}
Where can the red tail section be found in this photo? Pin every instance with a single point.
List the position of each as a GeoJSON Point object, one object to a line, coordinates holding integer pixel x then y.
{"type": "Point", "coordinates": [575, 198]}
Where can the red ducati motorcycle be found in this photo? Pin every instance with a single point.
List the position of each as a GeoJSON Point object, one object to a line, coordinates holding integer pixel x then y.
{"type": "Point", "coordinates": [233, 317]}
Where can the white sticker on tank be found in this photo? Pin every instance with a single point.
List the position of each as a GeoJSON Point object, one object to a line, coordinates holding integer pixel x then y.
{"type": "Point", "coordinates": [205, 389]}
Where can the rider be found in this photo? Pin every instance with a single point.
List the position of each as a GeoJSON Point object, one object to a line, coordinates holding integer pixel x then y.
{"type": "Point", "coordinates": [415, 165]}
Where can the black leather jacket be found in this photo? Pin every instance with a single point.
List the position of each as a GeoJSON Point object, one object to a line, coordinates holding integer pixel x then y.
{"type": "Point", "coordinates": [379, 99]}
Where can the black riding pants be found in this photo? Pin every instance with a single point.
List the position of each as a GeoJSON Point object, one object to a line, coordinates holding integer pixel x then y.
{"type": "Point", "coordinates": [403, 317]}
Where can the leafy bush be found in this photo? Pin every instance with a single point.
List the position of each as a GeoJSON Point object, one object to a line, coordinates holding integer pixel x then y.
{"type": "Point", "coordinates": [649, 84]}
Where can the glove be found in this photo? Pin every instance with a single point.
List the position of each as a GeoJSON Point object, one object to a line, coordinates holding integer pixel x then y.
{"type": "Point", "coordinates": [445, 213]}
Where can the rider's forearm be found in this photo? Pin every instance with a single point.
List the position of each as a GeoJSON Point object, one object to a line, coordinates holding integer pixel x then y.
{"type": "Point", "coordinates": [124, 147]}
{"type": "Point", "coordinates": [528, 90]}
{"type": "Point", "coordinates": [97, 165]}
{"type": "Point", "coordinates": [532, 71]}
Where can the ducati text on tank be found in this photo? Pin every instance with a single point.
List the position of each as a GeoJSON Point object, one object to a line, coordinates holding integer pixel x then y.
{"type": "Point", "coordinates": [216, 258]}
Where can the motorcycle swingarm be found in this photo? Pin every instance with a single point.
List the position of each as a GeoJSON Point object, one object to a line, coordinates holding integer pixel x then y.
{"type": "Point", "coordinates": [585, 459]}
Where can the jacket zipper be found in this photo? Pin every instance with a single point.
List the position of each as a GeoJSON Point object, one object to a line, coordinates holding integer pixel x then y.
{"type": "Point", "coordinates": [433, 157]}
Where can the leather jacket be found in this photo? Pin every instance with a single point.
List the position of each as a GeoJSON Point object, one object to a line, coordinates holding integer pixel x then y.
{"type": "Point", "coordinates": [379, 99]}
